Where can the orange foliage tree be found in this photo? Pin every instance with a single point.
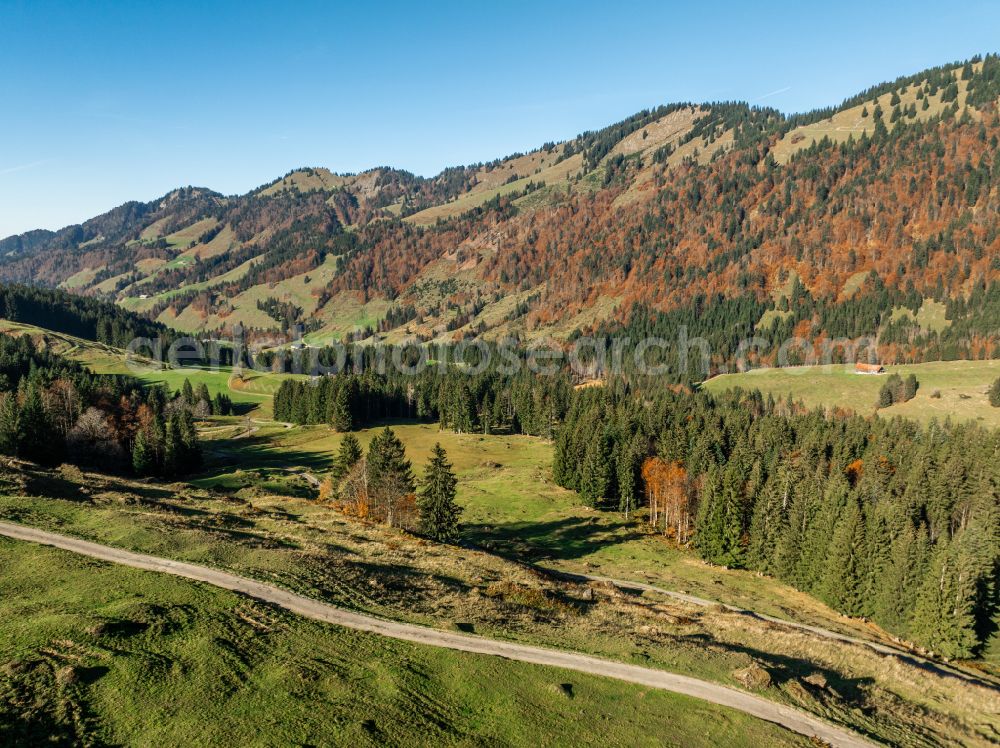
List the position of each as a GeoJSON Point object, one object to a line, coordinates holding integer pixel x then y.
{"type": "Point", "coordinates": [668, 490]}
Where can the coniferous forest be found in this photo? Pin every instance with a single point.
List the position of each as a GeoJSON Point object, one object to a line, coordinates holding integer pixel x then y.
{"type": "Point", "coordinates": [684, 429]}
{"type": "Point", "coordinates": [882, 519]}
{"type": "Point", "coordinates": [53, 409]}
{"type": "Point", "coordinates": [489, 402]}
{"type": "Point", "coordinates": [879, 518]}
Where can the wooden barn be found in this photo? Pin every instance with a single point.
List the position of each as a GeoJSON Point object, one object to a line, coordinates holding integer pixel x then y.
{"type": "Point", "coordinates": [860, 368]}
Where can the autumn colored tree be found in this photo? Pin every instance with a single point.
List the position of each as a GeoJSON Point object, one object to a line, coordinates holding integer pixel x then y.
{"type": "Point", "coordinates": [668, 492]}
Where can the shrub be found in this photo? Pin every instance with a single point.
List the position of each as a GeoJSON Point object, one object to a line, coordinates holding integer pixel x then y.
{"type": "Point", "coordinates": [995, 394]}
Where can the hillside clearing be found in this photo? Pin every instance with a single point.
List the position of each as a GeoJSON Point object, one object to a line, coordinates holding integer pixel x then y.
{"type": "Point", "coordinates": [961, 386]}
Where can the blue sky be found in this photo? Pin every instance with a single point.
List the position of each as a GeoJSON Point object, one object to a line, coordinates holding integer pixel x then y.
{"type": "Point", "coordinates": [106, 102]}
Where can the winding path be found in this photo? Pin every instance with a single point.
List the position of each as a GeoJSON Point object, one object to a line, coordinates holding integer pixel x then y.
{"type": "Point", "coordinates": [788, 717]}
{"type": "Point", "coordinates": [886, 649]}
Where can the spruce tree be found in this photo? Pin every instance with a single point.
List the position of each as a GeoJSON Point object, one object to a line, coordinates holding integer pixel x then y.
{"type": "Point", "coordinates": [895, 597]}
{"type": "Point", "coordinates": [843, 585]}
{"type": "Point", "coordinates": [390, 476]}
{"type": "Point", "coordinates": [770, 515]}
{"type": "Point", "coordinates": [627, 476]}
{"type": "Point", "coordinates": [172, 447]}
{"type": "Point", "coordinates": [340, 415]}
{"type": "Point", "coordinates": [733, 550]}
{"type": "Point", "coordinates": [463, 412]}
{"type": "Point", "coordinates": [37, 437]}
{"type": "Point", "coordinates": [187, 392]}
{"type": "Point", "coordinates": [815, 513]}
{"type": "Point", "coordinates": [189, 443]}
{"type": "Point", "coordinates": [347, 457]}
{"type": "Point", "coordinates": [944, 618]}
{"type": "Point", "coordinates": [436, 499]}
{"type": "Point", "coordinates": [202, 394]}
{"type": "Point", "coordinates": [719, 530]}
{"type": "Point", "coordinates": [10, 437]}
{"type": "Point", "coordinates": [885, 397]}
{"type": "Point", "coordinates": [995, 394]}
{"type": "Point", "coordinates": [142, 455]}
{"type": "Point", "coordinates": [595, 474]}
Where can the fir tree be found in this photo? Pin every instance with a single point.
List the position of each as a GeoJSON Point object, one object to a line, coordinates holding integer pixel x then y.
{"type": "Point", "coordinates": [222, 405]}
{"type": "Point", "coordinates": [189, 443]}
{"type": "Point", "coordinates": [10, 437]}
{"type": "Point", "coordinates": [202, 395]}
{"type": "Point", "coordinates": [37, 438]}
{"type": "Point", "coordinates": [944, 619]}
{"type": "Point", "coordinates": [347, 457]}
{"type": "Point", "coordinates": [768, 524]}
{"type": "Point", "coordinates": [390, 476]}
{"type": "Point", "coordinates": [885, 398]}
{"type": "Point", "coordinates": [595, 474]}
{"type": "Point", "coordinates": [719, 531]}
{"type": "Point", "coordinates": [995, 394]}
{"type": "Point", "coordinates": [817, 508]}
{"type": "Point", "coordinates": [896, 596]}
{"type": "Point", "coordinates": [187, 392]}
{"type": "Point", "coordinates": [340, 415]}
{"type": "Point", "coordinates": [436, 499]}
{"type": "Point", "coordinates": [627, 478]}
{"type": "Point", "coordinates": [843, 583]}
{"type": "Point", "coordinates": [172, 448]}
{"type": "Point", "coordinates": [143, 460]}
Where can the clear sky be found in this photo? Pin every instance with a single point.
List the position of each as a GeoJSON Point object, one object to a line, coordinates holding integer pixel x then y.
{"type": "Point", "coordinates": [106, 102]}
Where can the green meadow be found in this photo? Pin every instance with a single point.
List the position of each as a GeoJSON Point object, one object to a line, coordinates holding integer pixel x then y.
{"type": "Point", "coordinates": [96, 654]}
{"type": "Point", "coordinates": [948, 389]}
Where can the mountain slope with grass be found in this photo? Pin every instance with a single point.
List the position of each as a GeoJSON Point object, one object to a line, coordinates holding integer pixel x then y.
{"type": "Point", "coordinates": [873, 218]}
{"type": "Point", "coordinates": [308, 547]}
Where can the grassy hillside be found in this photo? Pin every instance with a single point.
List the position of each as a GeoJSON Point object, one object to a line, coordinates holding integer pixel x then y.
{"type": "Point", "coordinates": [857, 120]}
{"type": "Point", "coordinates": [512, 505]}
{"type": "Point", "coordinates": [948, 389]}
{"type": "Point", "coordinates": [94, 654]}
{"type": "Point", "coordinates": [306, 546]}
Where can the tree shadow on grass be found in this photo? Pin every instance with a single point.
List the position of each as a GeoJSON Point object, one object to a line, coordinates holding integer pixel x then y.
{"type": "Point", "coordinates": [401, 582]}
{"type": "Point", "coordinates": [566, 538]}
{"type": "Point", "coordinates": [144, 490]}
{"type": "Point", "coordinates": [852, 694]}
{"type": "Point", "coordinates": [56, 487]}
{"type": "Point", "coordinates": [261, 452]}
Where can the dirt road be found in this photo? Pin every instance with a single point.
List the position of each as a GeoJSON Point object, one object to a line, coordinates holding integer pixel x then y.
{"type": "Point", "coordinates": [790, 718]}
{"type": "Point", "coordinates": [885, 649]}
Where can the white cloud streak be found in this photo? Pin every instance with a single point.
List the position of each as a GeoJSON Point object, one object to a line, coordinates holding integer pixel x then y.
{"type": "Point", "coordinates": [774, 93]}
{"type": "Point", "coordinates": [25, 167]}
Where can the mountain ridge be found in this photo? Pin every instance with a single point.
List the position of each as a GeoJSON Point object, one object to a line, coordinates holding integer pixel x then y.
{"type": "Point", "coordinates": [792, 218]}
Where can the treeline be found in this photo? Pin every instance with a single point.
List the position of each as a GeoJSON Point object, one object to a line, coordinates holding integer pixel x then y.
{"type": "Point", "coordinates": [488, 402]}
{"type": "Point", "coordinates": [710, 333]}
{"type": "Point", "coordinates": [881, 519]}
{"type": "Point", "coordinates": [52, 409]}
{"type": "Point", "coordinates": [200, 401]}
{"type": "Point", "coordinates": [84, 317]}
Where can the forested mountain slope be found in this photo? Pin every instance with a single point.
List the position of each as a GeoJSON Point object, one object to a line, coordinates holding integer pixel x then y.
{"type": "Point", "coordinates": [874, 217]}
